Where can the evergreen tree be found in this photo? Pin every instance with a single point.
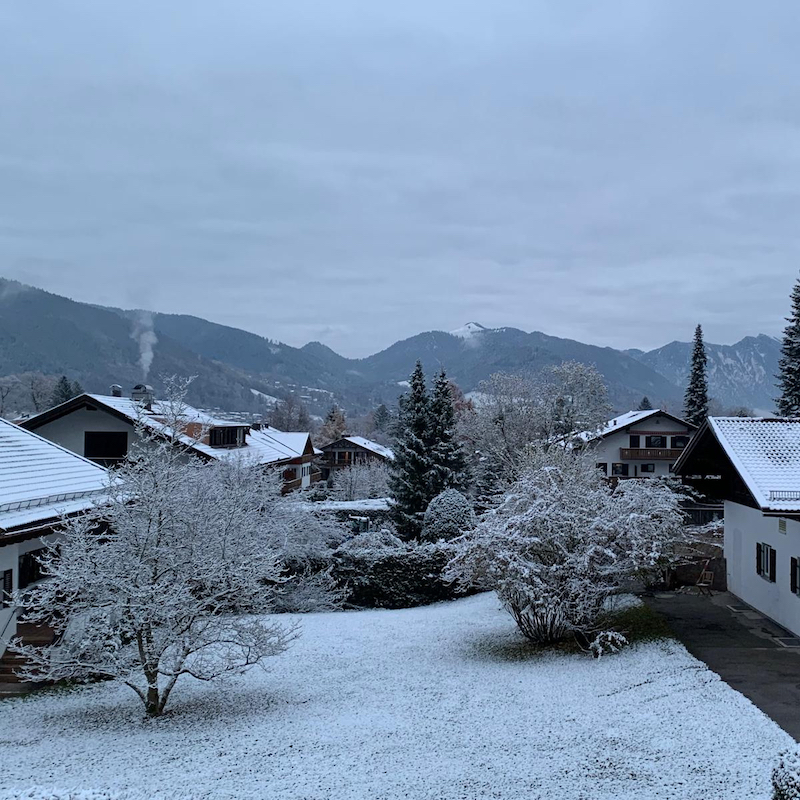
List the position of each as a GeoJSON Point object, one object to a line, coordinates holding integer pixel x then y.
{"type": "Point", "coordinates": [334, 427]}
{"type": "Point", "coordinates": [645, 405]}
{"type": "Point", "coordinates": [63, 391]}
{"type": "Point", "coordinates": [695, 401]}
{"type": "Point", "coordinates": [409, 480]}
{"type": "Point", "coordinates": [381, 418]}
{"type": "Point", "coordinates": [789, 365]}
{"type": "Point", "coordinates": [76, 388]}
{"type": "Point", "coordinates": [450, 468]}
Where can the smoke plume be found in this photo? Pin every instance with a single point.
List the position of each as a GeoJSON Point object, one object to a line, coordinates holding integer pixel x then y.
{"type": "Point", "coordinates": [146, 338]}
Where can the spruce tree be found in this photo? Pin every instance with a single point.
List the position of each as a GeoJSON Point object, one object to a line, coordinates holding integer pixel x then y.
{"type": "Point", "coordinates": [381, 418]}
{"type": "Point", "coordinates": [409, 478]}
{"type": "Point", "coordinates": [334, 427]}
{"type": "Point", "coordinates": [63, 391]}
{"type": "Point", "coordinates": [789, 364]}
{"type": "Point", "coordinates": [695, 401]}
{"type": "Point", "coordinates": [645, 405]}
{"type": "Point", "coordinates": [450, 468]}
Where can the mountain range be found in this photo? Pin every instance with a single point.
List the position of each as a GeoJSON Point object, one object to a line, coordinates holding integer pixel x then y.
{"type": "Point", "coordinates": [238, 370]}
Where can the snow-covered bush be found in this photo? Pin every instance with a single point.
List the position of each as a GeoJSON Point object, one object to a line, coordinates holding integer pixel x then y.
{"type": "Point", "coordinates": [563, 540]}
{"type": "Point", "coordinates": [309, 591]}
{"type": "Point", "coordinates": [378, 570]}
{"type": "Point", "coordinates": [360, 482]}
{"type": "Point", "coordinates": [786, 776]}
{"type": "Point", "coordinates": [607, 642]}
{"type": "Point", "coordinates": [449, 515]}
{"type": "Point", "coordinates": [41, 793]}
{"type": "Point", "coordinates": [174, 580]}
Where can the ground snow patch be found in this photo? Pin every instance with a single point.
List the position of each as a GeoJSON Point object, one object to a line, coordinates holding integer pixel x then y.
{"type": "Point", "coordinates": [433, 703]}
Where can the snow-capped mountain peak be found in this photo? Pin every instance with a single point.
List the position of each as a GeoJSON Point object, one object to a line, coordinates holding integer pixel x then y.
{"type": "Point", "coordinates": [468, 331]}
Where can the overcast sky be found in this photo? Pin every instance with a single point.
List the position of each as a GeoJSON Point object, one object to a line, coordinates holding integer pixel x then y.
{"type": "Point", "coordinates": [358, 172]}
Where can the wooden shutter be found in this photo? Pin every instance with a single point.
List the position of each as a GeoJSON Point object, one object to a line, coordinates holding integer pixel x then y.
{"type": "Point", "coordinates": [772, 563]}
{"type": "Point", "coordinates": [758, 557]}
{"type": "Point", "coordinates": [793, 579]}
{"type": "Point", "coordinates": [6, 588]}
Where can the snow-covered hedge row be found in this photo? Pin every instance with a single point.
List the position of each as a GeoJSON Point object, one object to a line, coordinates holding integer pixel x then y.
{"type": "Point", "coordinates": [378, 570]}
{"type": "Point", "coordinates": [786, 776]}
{"type": "Point", "coordinates": [449, 515]}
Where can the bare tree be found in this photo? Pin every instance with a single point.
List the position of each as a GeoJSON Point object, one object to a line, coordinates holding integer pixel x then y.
{"type": "Point", "coordinates": [172, 580]}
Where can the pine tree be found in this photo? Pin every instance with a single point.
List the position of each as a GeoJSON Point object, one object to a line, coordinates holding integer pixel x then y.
{"type": "Point", "coordinates": [381, 418]}
{"type": "Point", "coordinates": [63, 391]}
{"type": "Point", "coordinates": [695, 401]}
{"type": "Point", "coordinates": [76, 388]}
{"type": "Point", "coordinates": [450, 468]}
{"type": "Point", "coordinates": [334, 427]}
{"type": "Point", "coordinates": [409, 481]}
{"type": "Point", "coordinates": [789, 365]}
{"type": "Point", "coordinates": [645, 405]}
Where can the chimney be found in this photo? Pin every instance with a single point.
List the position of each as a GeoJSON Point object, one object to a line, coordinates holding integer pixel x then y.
{"type": "Point", "coordinates": [143, 393]}
{"type": "Point", "coordinates": [116, 390]}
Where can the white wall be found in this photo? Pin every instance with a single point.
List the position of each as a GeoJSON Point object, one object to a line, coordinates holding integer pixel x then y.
{"type": "Point", "coordinates": [68, 430]}
{"type": "Point", "coordinates": [744, 528]}
{"type": "Point", "coordinates": [607, 450]}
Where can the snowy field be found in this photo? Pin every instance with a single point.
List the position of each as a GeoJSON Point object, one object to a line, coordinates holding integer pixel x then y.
{"type": "Point", "coordinates": [442, 702]}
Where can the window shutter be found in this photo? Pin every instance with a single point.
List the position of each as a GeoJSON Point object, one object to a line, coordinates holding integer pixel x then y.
{"type": "Point", "coordinates": [772, 560]}
{"type": "Point", "coordinates": [6, 588]}
{"type": "Point", "coordinates": [758, 557]}
{"type": "Point", "coordinates": [794, 576]}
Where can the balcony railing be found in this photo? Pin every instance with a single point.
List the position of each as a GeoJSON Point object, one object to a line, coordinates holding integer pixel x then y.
{"type": "Point", "coordinates": [649, 454]}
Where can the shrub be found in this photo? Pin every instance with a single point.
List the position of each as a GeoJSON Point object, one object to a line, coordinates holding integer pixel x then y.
{"type": "Point", "coordinates": [449, 515]}
{"type": "Point", "coordinates": [378, 570]}
{"type": "Point", "coordinates": [786, 776]}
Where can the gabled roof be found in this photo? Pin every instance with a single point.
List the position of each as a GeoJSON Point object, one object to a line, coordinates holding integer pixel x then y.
{"type": "Point", "coordinates": [40, 480]}
{"type": "Point", "coordinates": [266, 446]}
{"type": "Point", "coordinates": [631, 418]}
{"type": "Point", "coordinates": [765, 451]}
{"type": "Point", "coordinates": [367, 444]}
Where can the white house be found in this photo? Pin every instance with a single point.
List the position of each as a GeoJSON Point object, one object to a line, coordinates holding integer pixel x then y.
{"type": "Point", "coordinates": [754, 466]}
{"type": "Point", "coordinates": [40, 482]}
{"type": "Point", "coordinates": [101, 428]}
{"type": "Point", "coordinates": [640, 444]}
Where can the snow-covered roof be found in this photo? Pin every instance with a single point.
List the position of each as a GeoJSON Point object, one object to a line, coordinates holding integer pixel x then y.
{"type": "Point", "coordinates": [40, 480]}
{"type": "Point", "coordinates": [368, 444]}
{"type": "Point", "coordinates": [267, 446]}
{"type": "Point", "coordinates": [766, 454]}
{"type": "Point", "coordinates": [626, 420]}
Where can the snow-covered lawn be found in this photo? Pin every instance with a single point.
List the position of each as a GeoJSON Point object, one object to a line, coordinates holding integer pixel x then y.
{"type": "Point", "coordinates": [439, 702]}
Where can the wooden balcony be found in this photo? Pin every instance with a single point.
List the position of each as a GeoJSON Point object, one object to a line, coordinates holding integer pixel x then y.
{"type": "Point", "coordinates": [649, 454]}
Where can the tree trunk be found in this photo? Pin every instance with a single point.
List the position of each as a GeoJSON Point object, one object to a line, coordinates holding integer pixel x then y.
{"type": "Point", "coordinates": [152, 703]}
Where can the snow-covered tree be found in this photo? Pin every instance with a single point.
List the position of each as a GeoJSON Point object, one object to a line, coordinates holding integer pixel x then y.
{"type": "Point", "coordinates": [789, 364]}
{"type": "Point", "coordinates": [450, 468]}
{"type": "Point", "coordinates": [173, 578]}
{"type": "Point", "coordinates": [449, 515]}
{"type": "Point", "coordinates": [563, 541]}
{"type": "Point", "coordinates": [290, 414]}
{"type": "Point", "coordinates": [361, 481]}
{"type": "Point", "coordinates": [517, 412]}
{"type": "Point", "coordinates": [334, 426]}
{"type": "Point", "coordinates": [409, 473]}
{"type": "Point", "coordinates": [695, 401]}
{"type": "Point", "coordinates": [64, 390]}
{"type": "Point", "coordinates": [645, 405]}
{"type": "Point", "coordinates": [381, 418]}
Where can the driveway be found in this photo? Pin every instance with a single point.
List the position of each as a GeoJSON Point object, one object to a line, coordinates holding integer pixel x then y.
{"type": "Point", "coordinates": [742, 647]}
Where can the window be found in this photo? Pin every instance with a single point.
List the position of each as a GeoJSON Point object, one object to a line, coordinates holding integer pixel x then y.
{"type": "Point", "coordinates": [30, 570]}
{"type": "Point", "coordinates": [105, 446]}
{"type": "Point", "coordinates": [227, 437]}
{"type": "Point", "coordinates": [619, 470]}
{"type": "Point", "coordinates": [648, 468]}
{"type": "Point", "coordinates": [781, 526]}
{"type": "Point", "coordinates": [795, 575]}
{"type": "Point", "coordinates": [679, 442]}
{"type": "Point", "coordinates": [6, 588]}
{"type": "Point", "coordinates": [655, 441]}
{"type": "Point", "coordinates": [635, 441]}
{"type": "Point", "coordinates": [602, 466]}
{"type": "Point", "coordinates": [765, 561]}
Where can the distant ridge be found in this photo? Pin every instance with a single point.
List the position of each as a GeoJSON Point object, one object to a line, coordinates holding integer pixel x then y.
{"type": "Point", "coordinates": [40, 331]}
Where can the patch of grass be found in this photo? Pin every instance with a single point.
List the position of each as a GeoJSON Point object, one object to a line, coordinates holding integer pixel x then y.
{"type": "Point", "coordinates": [639, 624]}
